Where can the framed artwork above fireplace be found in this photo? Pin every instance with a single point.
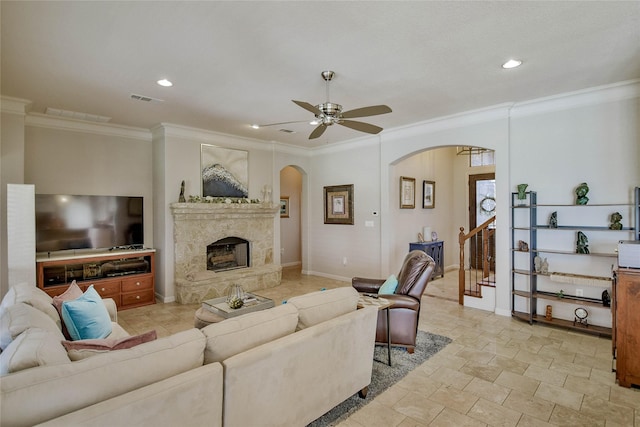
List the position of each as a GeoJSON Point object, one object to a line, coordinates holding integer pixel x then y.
{"type": "Point", "coordinates": [224, 172]}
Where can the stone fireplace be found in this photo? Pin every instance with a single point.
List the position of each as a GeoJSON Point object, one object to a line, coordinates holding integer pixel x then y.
{"type": "Point", "coordinates": [217, 245]}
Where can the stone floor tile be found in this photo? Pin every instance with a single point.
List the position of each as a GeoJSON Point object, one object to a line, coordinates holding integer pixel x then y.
{"type": "Point", "coordinates": [393, 394]}
{"type": "Point", "coordinates": [452, 377]}
{"type": "Point", "coordinates": [570, 369]}
{"type": "Point", "coordinates": [475, 355]}
{"type": "Point", "coordinates": [563, 416]}
{"type": "Point", "coordinates": [557, 353]}
{"type": "Point", "coordinates": [545, 375]}
{"type": "Point", "coordinates": [529, 421]}
{"type": "Point", "coordinates": [480, 370]}
{"type": "Point", "coordinates": [608, 411]}
{"type": "Point", "coordinates": [453, 398]}
{"type": "Point", "coordinates": [494, 414]}
{"type": "Point", "coordinates": [541, 360]}
{"type": "Point", "coordinates": [504, 350]}
{"type": "Point", "coordinates": [530, 405]}
{"type": "Point", "coordinates": [625, 396]}
{"type": "Point", "coordinates": [509, 364]}
{"type": "Point", "coordinates": [410, 422]}
{"type": "Point", "coordinates": [560, 396]}
{"type": "Point", "coordinates": [376, 414]}
{"type": "Point", "coordinates": [488, 390]}
{"type": "Point", "coordinates": [450, 418]}
{"type": "Point", "coordinates": [517, 382]}
{"type": "Point", "coordinates": [418, 407]}
{"type": "Point", "coordinates": [587, 386]}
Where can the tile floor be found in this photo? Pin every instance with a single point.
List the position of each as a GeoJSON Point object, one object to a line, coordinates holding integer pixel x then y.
{"type": "Point", "coordinates": [498, 371]}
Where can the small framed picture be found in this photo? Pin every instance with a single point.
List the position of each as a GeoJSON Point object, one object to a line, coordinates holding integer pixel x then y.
{"type": "Point", "coordinates": [284, 206]}
{"type": "Point", "coordinates": [338, 204]}
{"type": "Point", "coordinates": [407, 193]}
{"type": "Point", "coordinates": [428, 194]}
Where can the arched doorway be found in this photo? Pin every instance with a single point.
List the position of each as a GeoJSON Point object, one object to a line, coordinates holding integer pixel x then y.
{"type": "Point", "coordinates": [291, 218]}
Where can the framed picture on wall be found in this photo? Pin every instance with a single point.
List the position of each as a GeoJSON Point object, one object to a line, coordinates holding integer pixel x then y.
{"type": "Point", "coordinates": [284, 206]}
{"type": "Point", "coordinates": [338, 204]}
{"type": "Point", "coordinates": [224, 171]}
{"type": "Point", "coordinates": [407, 193]}
{"type": "Point", "coordinates": [428, 194]}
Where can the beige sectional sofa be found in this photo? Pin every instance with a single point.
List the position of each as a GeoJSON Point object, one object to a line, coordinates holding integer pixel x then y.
{"type": "Point", "coordinates": [283, 366]}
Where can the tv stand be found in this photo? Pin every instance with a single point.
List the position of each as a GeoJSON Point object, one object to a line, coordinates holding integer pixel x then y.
{"type": "Point", "coordinates": [126, 275]}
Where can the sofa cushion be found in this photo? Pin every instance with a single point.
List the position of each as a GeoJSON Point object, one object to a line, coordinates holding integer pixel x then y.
{"type": "Point", "coordinates": [235, 335]}
{"type": "Point", "coordinates": [26, 396]}
{"type": "Point", "coordinates": [78, 350]}
{"type": "Point", "coordinates": [389, 286]}
{"type": "Point", "coordinates": [320, 306]}
{"type": "Point", "coordinates": [73, 292]}
{"type": "Point", "coordinates": [33, 296]}
{"type": "Point", "coordinates": [19, 317]}
{"type": "Point", "coordinates": [86, 317]}
{"type": "Point", "coordinates": [34, 347]}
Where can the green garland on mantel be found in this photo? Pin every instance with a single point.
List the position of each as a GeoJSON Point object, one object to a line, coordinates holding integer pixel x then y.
{"type": "Point", "coordinates": [227, 200]}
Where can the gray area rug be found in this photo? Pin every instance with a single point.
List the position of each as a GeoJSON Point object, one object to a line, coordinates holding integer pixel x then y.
{"type": "Point", "coordinates": [384, 376]}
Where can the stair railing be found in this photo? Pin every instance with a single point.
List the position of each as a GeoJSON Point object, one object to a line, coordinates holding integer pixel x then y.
{"type": "Point", "coordinates": [484, 257]}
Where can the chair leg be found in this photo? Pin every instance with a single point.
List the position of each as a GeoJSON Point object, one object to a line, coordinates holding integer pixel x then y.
{"type": "Point", "coordinates": [363, 393]}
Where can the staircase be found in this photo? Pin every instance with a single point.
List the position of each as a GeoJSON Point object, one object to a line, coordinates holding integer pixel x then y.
{"type": "Point", "coordinates": [477, 260]}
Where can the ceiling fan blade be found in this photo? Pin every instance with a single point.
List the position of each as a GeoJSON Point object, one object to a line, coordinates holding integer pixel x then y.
{"type": "Point", "coordinates": [308, 107]}
{"type": "Point", "coordinates": [362, 127]}
{"type": "Point", "coordinates": [318, 131]}
{"type": "Point", "coordinates": [373, 110]}
{"type": "Point", "coordinates": [283, 123]}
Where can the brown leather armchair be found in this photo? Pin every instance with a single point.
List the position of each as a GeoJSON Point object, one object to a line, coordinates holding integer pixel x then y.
{"type": "Point", "coordinates": [404, 313]}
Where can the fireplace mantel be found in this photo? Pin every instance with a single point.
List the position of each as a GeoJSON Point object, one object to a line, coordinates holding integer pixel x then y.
{"type": "Point", "coordinates": [197, 225]}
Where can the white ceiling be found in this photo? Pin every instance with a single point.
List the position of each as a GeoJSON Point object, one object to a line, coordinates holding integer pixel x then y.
{"type": "Point", "coordinates": [237, 63]}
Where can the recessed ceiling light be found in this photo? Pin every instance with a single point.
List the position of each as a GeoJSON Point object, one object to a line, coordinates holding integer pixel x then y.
{"type": "Point", "coordinates": [512, 63]}
{"type": "Point", "coordinates": [165, 83]}
{"type": "Point", "coordinates": [255, 126]}
{"type": "Point", "coordinates": [315, 122]}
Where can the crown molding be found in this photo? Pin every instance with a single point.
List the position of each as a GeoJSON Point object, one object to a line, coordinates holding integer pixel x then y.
{"type": "Point", "coordinates": [591, 96]}
{"type": "Point", "coordinates": [13, 105]}
{"type": "Point", "coordinates": [212, 137]}
{"type": "Point", "coordinates": [72, 125]}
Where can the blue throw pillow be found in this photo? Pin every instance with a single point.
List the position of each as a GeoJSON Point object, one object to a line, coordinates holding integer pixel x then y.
{"type": "Point", "coordinates": [86, 317]}
{"type": "Point", "coordinates": [389, 286]}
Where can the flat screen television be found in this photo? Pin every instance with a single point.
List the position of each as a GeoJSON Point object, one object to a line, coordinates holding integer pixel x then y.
{"type": "Point", "coordinates": [66, 222]}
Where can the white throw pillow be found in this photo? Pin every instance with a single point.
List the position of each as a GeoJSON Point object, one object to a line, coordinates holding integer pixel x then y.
{"type": "Point", "coordinates": [19, 317]}
{"type": "Point", "coordinates": [317, 307]}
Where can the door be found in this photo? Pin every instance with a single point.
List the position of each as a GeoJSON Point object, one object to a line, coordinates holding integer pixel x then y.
{"type": "Point", "coordinates": [482, 206]}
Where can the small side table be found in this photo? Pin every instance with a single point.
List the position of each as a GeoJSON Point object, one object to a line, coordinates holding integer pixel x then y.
{"type": "Point", "coordinates": [366, 300]}
{"type": "Point", "coordinates": [435, 250]}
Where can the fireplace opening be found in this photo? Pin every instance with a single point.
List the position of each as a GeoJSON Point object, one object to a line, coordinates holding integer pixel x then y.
{"type": "Point", "coordinates": [228, 254]}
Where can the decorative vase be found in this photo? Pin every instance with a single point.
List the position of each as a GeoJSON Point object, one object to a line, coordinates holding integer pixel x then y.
{"type": "Point", "coordinates": [266, 194]}
{"type": "Point", "coordinates": [235, 296]}
{"type": "Point", "coordinates": [181, 198]}
{"type": "Point", "coordinates": [522, 195]}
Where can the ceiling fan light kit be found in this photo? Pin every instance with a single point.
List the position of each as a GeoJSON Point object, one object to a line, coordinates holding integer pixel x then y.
{"type": "Point", "coordinates": [329, 113]}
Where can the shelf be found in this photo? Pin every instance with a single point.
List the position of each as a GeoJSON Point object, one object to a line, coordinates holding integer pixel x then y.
{"type": "Point", "coordinates": [565, 324]}
{"type": "Point", "coordinates": [554, 251]}
{"type": "Point", "coordinates": [569, 299]}
{"type": "Point", "coordinates": [523, 294]}
{"type": "Point", "coordinates": [578, 228]}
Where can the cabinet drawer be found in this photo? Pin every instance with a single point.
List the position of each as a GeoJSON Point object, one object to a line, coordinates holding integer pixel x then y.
{"type": "Point", "coordinates": [135, 284]}
{"type": "Point", "coordinates": [135, 298]}
{"type": "Point", "coordinates": [106, 289]}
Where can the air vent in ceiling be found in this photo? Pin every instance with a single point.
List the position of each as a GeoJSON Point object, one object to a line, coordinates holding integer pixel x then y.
{"type": "Point", "coordinates": [76, 115]}
{"type": "Point", "coordinates": [144, 98]}
{"type": "Point", "coordinates": [287, 131]}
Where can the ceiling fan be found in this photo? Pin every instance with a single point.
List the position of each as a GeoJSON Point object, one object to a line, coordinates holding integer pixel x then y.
{"type": "Point", "coordinates": [329, 113]}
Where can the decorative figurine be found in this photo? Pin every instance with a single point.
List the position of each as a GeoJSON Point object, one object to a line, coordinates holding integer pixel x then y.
{"type": "Point", "coordinates": [606, 299]}
{"type": "Point", "coordinates": [537, 263]}
{"type": "Point", "coordinates": [553, 220]}
{"type": "Point", "coordinates": [522, 195]}
{"type": "Point", "coordinates": [582, 244]}
{"type": "Point", "coordinates": [544, 267]}
{"type": "Point", "coordinates": [615, 221]}
{"type": "Point", "coordinates": [548, 315]}
{"type": "Point", "coordinates": [420, 238]}
{"type": "Point", "coordinates": [523, 246]}
{"type": "Point", "coordinates": [181, 198]}
{"type": "Point", "coordinates": [581, 194]}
